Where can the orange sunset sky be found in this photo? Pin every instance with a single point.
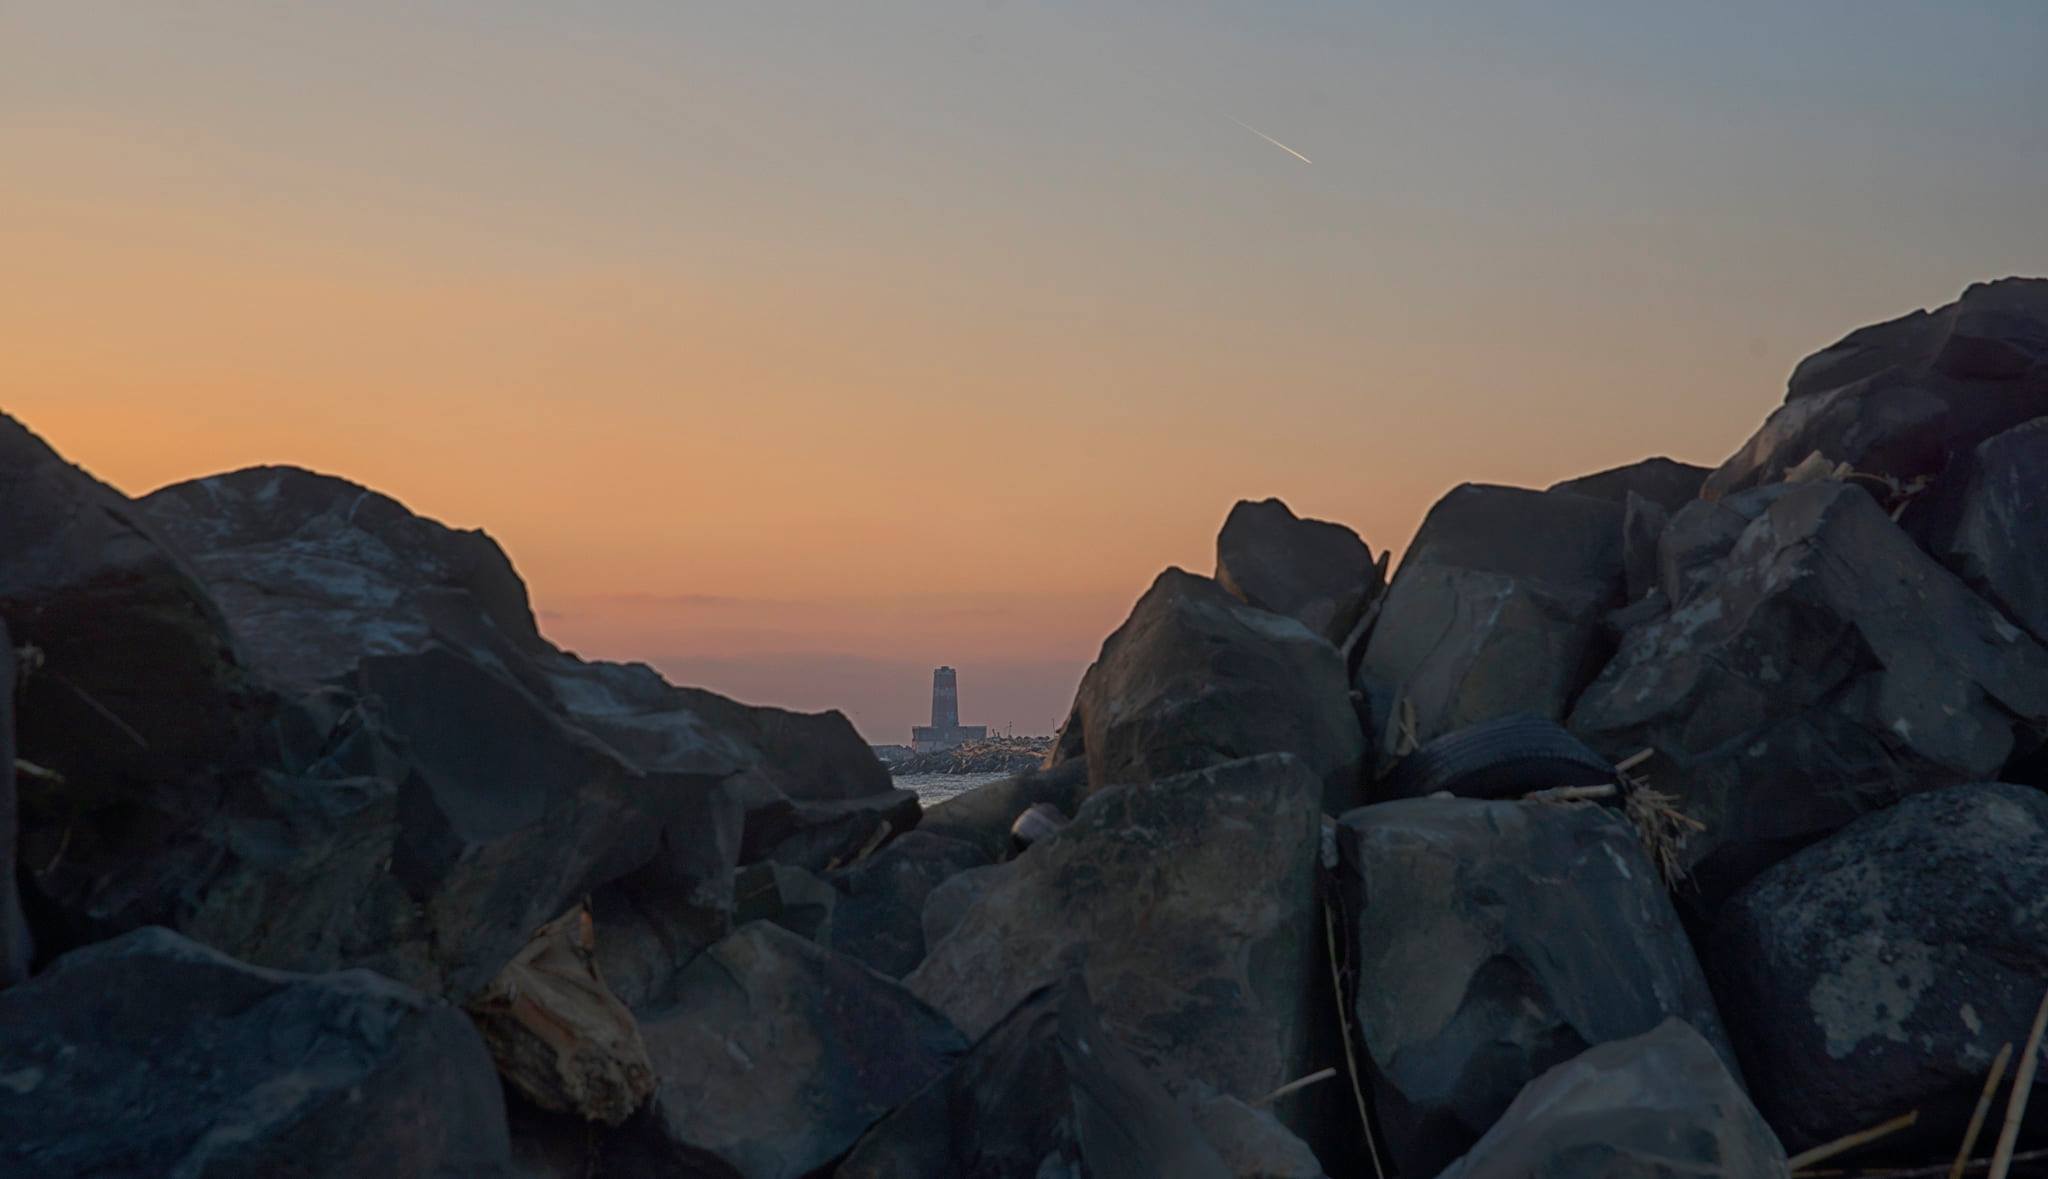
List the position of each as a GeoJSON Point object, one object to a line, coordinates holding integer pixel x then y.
{"type": "Point", "coordinates": [796, 348]}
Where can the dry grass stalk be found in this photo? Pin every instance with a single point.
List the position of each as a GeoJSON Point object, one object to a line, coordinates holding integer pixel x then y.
{"type": "Point", "coordinates": [1659, 823]}
{"type": "Point", "coordinates": [1849, 1142]}
{"type": "Point", "coordinates": [1410, 738]}
{"type": "Point", "coordinates": [1344, 1029]}
{"type": "Point", "coordinates": [2022, 1088]}
{"type": "Point", "coordinates": [1983, 1111]}
{"type": "Point", "coordinates": [1932, 1171]}
{"type": "Point", "coordinates": [1315, 1078]}
{"type": "Point", "coordinates": [29, 769]}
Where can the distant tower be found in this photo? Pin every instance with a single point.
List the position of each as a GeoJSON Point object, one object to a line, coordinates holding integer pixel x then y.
{"type": "Point", "coordinates": [945, 699]}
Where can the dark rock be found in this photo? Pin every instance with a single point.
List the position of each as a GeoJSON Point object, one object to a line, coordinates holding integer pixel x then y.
{"type": "Point", "coordinates": [17, 946]}
{"type": "Point", "coordinates": [134, 698]}
{"type": "Point", "coordinates": [1656, 1106]}
{"type": "Point", "coordinates": [1642, 528]}
{"type": "Point", "coordinates": [1899, 399]}
{"type": "Point", "coordinates": [1252, 1143]}
{"type": "Point", "coordinates": [1197, 678]}
{"type": "Point", "coordinates": [1881, 970]}
{"type": "Point", "coordinates": [1996, 534]}
{"type": "Point", "coordinates": [775, 1058]}
{"type": "Point", "coordinates": [153, 1055]}
{"type": "Point", "coordinates": [493, 817]}
{"type": "Point", "coordinates": [1187, 903]}
{"type": "Point", "coordinates": [1497, 608]}
{"type": "Point", "coordinates": [1702, 534]}
{"type": "Point", "coordinates": [821, 836]}
{"type": "Point", "coordinates": [949, 902]}
{"type": "Point", "coordinates": [1825, 669]}
{"type": "Point", "coordinates": [789, 896]}
{"type": "Point", "coordinates": [1317, 573]}
{"type": "Point", "coordinates": [1494, 940]}
{"type": "Point", "coordinates": [984, 815]}
{"type": "Point", "coordinates": [316, 572]}
{"type": "Point", "coordinates": [1664, 482]}
{"type": "Point", "coordinates": [879, 919]}
{"type": "Point", "coordinates": [1048, 1091]}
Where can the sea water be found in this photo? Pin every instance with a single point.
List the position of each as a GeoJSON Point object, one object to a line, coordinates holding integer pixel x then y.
{"type": "Point", "coordinates": [933, 788]}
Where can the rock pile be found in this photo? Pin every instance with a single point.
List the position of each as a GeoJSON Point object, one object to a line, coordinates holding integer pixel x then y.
{"type": "Point", "coordinates": [1656, 823]}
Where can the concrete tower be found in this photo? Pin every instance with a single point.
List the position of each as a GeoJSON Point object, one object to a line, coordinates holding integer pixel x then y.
{"type": "Point", "coordinates": [945, 731]}
{"type": "Point", "coordinates": [945, 699]}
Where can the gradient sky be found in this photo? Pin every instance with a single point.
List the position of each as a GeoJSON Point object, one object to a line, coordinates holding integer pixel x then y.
{"type": "Point", "coordinates": [797, 348]}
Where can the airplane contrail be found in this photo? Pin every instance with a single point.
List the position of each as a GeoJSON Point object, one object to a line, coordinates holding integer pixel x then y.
{"type": "Point", "coordinates": [1269, 139]}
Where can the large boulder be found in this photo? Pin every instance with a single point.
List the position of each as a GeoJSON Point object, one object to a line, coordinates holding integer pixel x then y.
{"type": "Point", "coordinates": [1189, 906]}
{"type": "Point", "coordinates": [1197, 678]}
{"type": "Point", "coordinates": [1880, 971]}
{"type": "Point", "coordinates": [775, 1058]}
{"type": "Point", "coordinates": [405, 775]}
{"type": "Point", "coordinates": [1898, 400]}
{"type": "Point", "coordinates": [315, 572]}
{"type": "Point", "coordinates": [1048, 1091]}
{"type": "Point", "coordinates": [1654, 1106]}
{"type": "Point", "coordinates": [153, 1055]}
{"type": "Point", "coordinates": [879, 917]}
{"type": "Point", "coordinates": [1494, 940]}
{"type": "Point", "coordinates": [133, 697]}
{"type": "Point", "coordinates": [1315, 572]}
{"type": "Point", "coordinates": [455, 816]}
{"type": "Point", "coordinates": [1498, 607]}
{"type": "Point", "coordinates": [1995, 526]}
{"type": "Point", "coordinates": [1667, 483]}
{"type": "Point", "coordinates": [1823, 669]}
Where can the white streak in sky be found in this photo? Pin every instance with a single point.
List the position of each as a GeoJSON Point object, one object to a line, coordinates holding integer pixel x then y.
{"type": "Point", "coordinates": [1269, 139]}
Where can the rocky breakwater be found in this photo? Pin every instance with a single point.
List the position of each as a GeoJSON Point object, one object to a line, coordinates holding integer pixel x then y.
{"type": "Point", "coordinates": [996, 755]}
{"type": "Point", "coordinates": [1659, 822]}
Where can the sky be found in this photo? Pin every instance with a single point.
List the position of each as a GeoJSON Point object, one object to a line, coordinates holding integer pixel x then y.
{"type": "Point", "coordinates": [799, 348]}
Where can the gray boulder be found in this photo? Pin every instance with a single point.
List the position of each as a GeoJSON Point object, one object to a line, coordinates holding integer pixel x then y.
{"type": "Point", "coordinates": [1317, 573]}
{"type": "Point", "coordinates": [1994, 535]}
{"type": "Point", "coordinates": [1494, 940]}
{"type": "Point", "coordinates": [1880, 971]}
{"type": "Point", "coordinates": [789, 896]}
{"type": "Point", "coordinates": [948, 904]}
{"type": "Point", "coordinates": [1900, 399]}
{"type": "Point", "coordinates": [153, 1055]}
{"type": "Point", "coordinates": [1664, 482]}
{"type": "Point", "coordinates": [1197, 678]}
{"type": "Point", "coordinates": [879, 917]}
{"type": "Point", "coordinates": [1826, 668]}
{"type": "Point", "coordinates": [1700, 536]}
{"type": "Point", "coordinates": [314, 572]}
{"type": "Point", "coordinates": [1498, 606]}
{"type": "Point", "coordinates": [1048, 1091]}
{"type": "Point", "coordinates": [1189, 906]}
{"type": "Point", "coordinates": [1642, 531]}
{"type": "Point", "coordinates": [775, 1058]}
{"type": "Point", "coordinates": [1661, 1105]}
{"type": "Point", "coordinates": [453, 815]}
